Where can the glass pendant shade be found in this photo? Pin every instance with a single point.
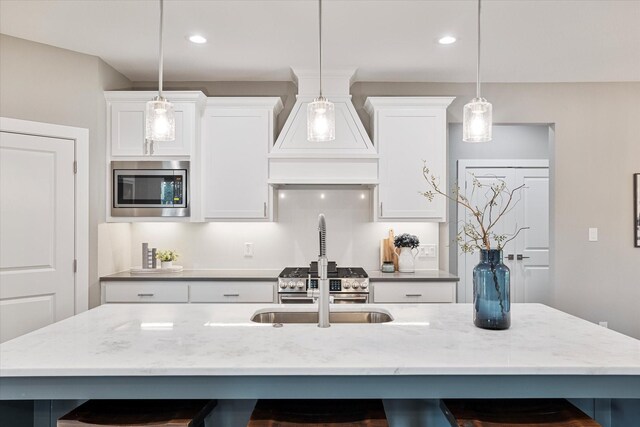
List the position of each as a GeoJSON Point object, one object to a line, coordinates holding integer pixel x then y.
{"type": "Point", "coordinates": [321, 120]}
{"type": "Point", "coordinates": [476, 121]}
{"type": "Point", "coordinates": [160, 120]}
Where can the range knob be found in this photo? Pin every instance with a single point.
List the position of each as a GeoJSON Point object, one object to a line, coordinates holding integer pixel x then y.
{"type": "Point", "coordinates": [356, 285]}
{"type": "Point", "coordinates": [300, 285]}
{"type": "Point", "coordinates": [364, 285]}
{"type": "Point", "coordinates": [283, 285]}
{"type": "Point", "coordinates": [346, 284]}
{"type": "Point", "coordinates": [292, 285]}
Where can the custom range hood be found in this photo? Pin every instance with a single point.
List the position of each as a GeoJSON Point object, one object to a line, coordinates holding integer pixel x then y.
{"type": "Point", "coordinates": [349, 159]}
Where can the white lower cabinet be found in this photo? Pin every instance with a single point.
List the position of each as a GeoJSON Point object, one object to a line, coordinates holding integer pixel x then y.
{"type": "Point", "coordinates": [232, 292]}
{"type": "Point", "coordinates": [185, 292]}
{"type": "Point", "coordinates": [152, 291]}
{"type": "Point", "coordinates": [414, 292]}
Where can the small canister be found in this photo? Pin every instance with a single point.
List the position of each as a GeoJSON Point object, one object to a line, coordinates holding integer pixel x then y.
{"type": "Point", "coordinates": [388, 267]}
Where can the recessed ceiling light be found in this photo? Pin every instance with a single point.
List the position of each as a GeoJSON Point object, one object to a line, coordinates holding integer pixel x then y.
{"type": "Point", "coordinates": [197, 39]}
{"type": "Point", "coordinates": [447, 40]}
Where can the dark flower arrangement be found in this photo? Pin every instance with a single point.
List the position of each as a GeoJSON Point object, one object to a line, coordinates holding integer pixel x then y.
{"type": "Point", "coordinates": [406, 241]}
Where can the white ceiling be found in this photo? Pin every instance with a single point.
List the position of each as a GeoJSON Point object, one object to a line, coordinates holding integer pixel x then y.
{"type": "Point", "coordinates": [393, 40]}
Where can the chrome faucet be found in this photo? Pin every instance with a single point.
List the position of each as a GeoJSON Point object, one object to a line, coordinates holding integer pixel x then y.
{"type": "Point", "coordinates": [323, 281]}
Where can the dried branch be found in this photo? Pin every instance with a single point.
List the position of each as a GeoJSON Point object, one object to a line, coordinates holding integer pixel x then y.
{"type": "Point", "coordinates": [477, 232]}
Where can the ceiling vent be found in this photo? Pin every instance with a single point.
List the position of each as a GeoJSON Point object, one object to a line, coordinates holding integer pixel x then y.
{"type": "Point", "coordinates": [349, 159]}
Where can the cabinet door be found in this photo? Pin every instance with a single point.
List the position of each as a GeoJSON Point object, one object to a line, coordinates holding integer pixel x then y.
{"type": "Point", "coordinates": [236, 144]}
{"type": "Point", "coordinates": [238, 292]}
{"type": "Point", "coordinates": [185, 115]}
{"type": "Point", "coordinates": [414, 292]}
{"type": "Point", "coordinates": [406, 138]}
{"type": "Point", "coordinates": [145, 292]}
{"type": "Point", "coordinates": [128, 127]}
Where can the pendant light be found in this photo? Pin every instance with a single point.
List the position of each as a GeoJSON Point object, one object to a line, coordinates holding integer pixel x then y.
{"type": "Point", "coordinates": [476, 121]}
{"type": "Point", "coordinates": [160, 120]}
{"type": "Point", "coordinates": [321, 115]}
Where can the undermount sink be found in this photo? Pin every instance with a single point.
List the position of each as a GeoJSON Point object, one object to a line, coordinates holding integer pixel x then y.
{"type": "Point", "coordinates": [372, 316]}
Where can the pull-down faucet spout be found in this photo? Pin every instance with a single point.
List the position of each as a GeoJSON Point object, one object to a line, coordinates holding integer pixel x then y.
{"type": "Point", "coordinates": [323, 282]}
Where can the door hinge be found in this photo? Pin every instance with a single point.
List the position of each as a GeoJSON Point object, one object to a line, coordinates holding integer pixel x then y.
{"type": "Point", "coordinates": [75, 265]}
{"type": "Point", "coordinates": [75, 166]}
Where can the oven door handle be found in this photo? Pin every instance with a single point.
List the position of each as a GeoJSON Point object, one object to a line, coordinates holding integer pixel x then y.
{"type": "Point", "coordinates": [285, 299]}
{"type": "Point", "coordinates": [350, 299]}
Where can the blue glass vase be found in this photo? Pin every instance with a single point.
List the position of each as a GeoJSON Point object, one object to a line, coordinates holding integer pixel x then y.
{"type": "Point", "coordinates": [491, 291]}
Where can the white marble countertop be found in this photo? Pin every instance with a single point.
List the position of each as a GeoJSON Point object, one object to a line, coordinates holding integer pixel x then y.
{"type": "Point", "coordinates": [272, 274]}
{"type": "Point", "coordinates": [219, 339]}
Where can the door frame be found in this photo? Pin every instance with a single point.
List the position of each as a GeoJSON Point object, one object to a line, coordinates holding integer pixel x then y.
{"type": "Point", "coordinates": [80, 137]}
{"type": "Point", "coordinates": [462, 166]}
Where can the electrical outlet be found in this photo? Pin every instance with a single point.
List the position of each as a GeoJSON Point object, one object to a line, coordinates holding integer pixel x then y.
{"type": "Point", "coordinates": [604, 324]}
{"type": "Point", "coordinates": [248, 249]}
{"type": "Point", "coordinates": [593, 234]}
{"type": "Point", "coordinates": [427, 251]}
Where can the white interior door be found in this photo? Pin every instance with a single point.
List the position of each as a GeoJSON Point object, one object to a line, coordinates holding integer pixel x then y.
{"type": "Point", "coordinates": [531, 265]}
{"type": "Point", "coordinates": [530, 250]}
{"type": "Point", "coordinates": [37, 232]}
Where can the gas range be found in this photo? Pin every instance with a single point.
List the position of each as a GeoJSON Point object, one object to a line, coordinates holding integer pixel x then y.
{"type": "Point", "coordinates": [346, 284]}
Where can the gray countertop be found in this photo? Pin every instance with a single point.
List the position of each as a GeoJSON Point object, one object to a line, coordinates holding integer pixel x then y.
{"type": "Point", "coordinates": [196, 275]}
{"type": "Point", "coordinates": [272, 274]}
{"type": "Point", "coordinates": [418, 276]}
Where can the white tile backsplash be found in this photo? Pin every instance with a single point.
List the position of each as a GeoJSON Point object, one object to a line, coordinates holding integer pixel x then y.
{"type": "Point", "coordinates": [352, 239]}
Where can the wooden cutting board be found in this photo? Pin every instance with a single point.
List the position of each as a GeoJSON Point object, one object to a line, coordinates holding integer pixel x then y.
{"type": "Point", "coordinates": [387, 250]}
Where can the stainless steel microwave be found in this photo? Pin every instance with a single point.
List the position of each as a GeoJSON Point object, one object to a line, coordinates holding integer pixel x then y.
{"type": "Point", "coordinates": [150, 189]}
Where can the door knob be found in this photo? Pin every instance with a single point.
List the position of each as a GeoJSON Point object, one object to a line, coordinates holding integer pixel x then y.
{"type": "Point", "coordinates": [520, 257]}
{"type": "Point", "coordinates": [510, 257]}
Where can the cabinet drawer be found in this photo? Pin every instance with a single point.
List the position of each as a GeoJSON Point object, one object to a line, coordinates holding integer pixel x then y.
{"type": "Point", "coordinates": [146, 292]}
{"type": "Point", "coordinates": [232, 292]}
{"type": "Point", "coordinates": [416, 292]}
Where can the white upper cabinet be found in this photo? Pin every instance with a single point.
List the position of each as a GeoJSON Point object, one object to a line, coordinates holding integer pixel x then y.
{"type": "Point", "coordinates": [126, 123]}
{"type": "Point", "coordinates": [406, 132]}
{"type": "Point", "coordinates": [237, 135]}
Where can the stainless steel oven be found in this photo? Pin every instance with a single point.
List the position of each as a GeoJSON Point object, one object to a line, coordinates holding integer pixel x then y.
{"type": "Point", "coordinates": [150, 189]}
{"type": "Point", "coordinates": [347, 285]}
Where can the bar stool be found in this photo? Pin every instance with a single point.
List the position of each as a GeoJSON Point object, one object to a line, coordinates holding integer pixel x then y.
{"type": "Point", "coordinates": [156, 413]}
{"type": "Point", "coordinates": [319, 413]}
{"type": "Point", "coordinates": [510, 412]}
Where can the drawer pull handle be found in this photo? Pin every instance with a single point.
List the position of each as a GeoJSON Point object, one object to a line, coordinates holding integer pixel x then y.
{"type": "Point", "coordinates": [145, 295]}
{"type": "Point", "coordinates": [413, 295]}
{"type": "Point", "coordinates": [231, 295]}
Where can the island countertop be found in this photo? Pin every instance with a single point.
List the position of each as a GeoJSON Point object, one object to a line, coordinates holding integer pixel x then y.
{"type": "Point", "coordinates": [219, 340]}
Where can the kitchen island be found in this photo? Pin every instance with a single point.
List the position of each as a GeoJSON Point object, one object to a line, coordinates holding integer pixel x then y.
{"type": "Point", "coordinates": [215, 351]}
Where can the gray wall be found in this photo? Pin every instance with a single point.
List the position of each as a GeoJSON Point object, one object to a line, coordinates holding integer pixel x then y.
{"type": "Point", "coordinates": [509, 142]}
{"type": "Point", "coordinates": [595, 152]}
{"type": "Point", "coordinates": [47, 84]}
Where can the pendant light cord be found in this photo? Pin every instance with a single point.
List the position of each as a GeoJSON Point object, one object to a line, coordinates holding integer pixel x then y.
{"type": "Point", "coordinates": [478, 62]}
{"type": "Point", "coordinates": [161, 53]}
{"type": "Point", "coordinates": [320, 41]}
